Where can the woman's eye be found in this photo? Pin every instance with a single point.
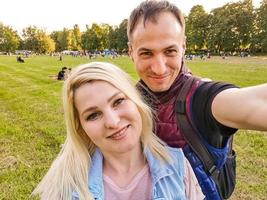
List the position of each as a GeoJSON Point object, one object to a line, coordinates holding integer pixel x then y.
{"type": "Point", "coordinates": [118, 101]}
{"type": "Point", "coordinates": [93, 116]}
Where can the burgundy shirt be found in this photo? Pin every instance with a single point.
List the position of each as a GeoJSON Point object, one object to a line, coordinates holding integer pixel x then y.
{"type": "Point", "coordinates": [163, 105]}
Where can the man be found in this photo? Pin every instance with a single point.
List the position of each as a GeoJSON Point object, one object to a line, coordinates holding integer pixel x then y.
{"type": "Point", "coordinates": [156, 34]}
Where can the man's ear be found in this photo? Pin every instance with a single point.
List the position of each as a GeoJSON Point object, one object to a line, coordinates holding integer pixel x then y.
{"type": "Point", "coordinates": [184, 45]}
{"type": "Point", "coordinates": [130, 50]}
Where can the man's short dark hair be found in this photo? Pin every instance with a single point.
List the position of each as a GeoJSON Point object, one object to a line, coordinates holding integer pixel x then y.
{"type": "Point", "coordinates": [149, 10]}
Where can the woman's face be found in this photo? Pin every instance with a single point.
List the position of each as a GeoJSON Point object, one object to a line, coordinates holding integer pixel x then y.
{"type": "Point", "coordinates": [110, 119]}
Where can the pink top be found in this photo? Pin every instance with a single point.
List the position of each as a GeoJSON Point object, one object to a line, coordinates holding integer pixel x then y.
{"type": "Point", "coordinates": [192, 188]}
{"type": "Point", "coordinates": [140, 187]}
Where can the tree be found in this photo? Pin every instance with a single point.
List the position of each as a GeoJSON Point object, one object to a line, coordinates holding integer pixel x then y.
{"type": "Point", "coordinates": [65, 39]}
{"type": "Point", "coordinates": [9, 39]}
{"type": "Point", "coordinates": [96, 37]}
{"type": "Point", "coordinates": [261, 24]}
{"type": "Point", "coordinates": [122, 38]}
{"type": "Point", "coordinates": [55, 36]}
{"type": "Point", "coordinates": [77, 38]}
{"type": "Point", "coordinates": [85, 39]}
{"type": "Point", "coordinates": [37, 40]}
{"type": "Point", "coordinates": [196, 28]}
{"type": "Point", "coordinates": [231, 26]}
{"type": "Point", "coordinates": [45, 43]}
{"type": "Point", "coordinates": [112, 38]}
{"type": "Point", "coordinates": [104, 36]}
{"type": "Point", "coordinates": [90, 39]}
{"type": "Point", "coordinates": [117, 37]}
{"type": "Point", "coordinates": [30, 41]}
{"type": "Point", "coordinates": [244, 23]}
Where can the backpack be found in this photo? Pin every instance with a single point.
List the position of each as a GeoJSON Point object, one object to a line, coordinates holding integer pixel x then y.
{"type": "Point", "coordinates": [223, 177]}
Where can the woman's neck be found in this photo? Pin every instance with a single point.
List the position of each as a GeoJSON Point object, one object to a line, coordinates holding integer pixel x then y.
{"type": "Point", "coordinates": [122, 168]}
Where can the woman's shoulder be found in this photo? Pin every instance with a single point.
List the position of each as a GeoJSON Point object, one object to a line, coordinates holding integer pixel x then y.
{"type": "Point", "coordinates": [174, 151]}
{"type": "Point", "coordinates": [177, 156]}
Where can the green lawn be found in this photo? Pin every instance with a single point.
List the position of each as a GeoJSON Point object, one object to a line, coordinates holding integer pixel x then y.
{"type": "Point", "coordinates": [32, 127]}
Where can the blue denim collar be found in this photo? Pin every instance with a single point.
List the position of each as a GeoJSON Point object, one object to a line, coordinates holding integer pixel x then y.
{"type": "Point", "coordinates": [95, 174]}
{"type": "Point", "coordinates": [158, 170]}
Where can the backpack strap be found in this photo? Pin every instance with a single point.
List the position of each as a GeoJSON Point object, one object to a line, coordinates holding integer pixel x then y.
{"type": "Point", "coordinates": [188, 131]}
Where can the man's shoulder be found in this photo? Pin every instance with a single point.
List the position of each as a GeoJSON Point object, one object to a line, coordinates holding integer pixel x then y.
{"type": "Point", "coordinates": [194, 80]}
{"type": "Point", "coordinates": [206, 87]}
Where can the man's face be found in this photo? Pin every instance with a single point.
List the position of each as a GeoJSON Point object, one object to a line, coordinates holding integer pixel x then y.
{"type": "Point", "coordinates": [157, 51]}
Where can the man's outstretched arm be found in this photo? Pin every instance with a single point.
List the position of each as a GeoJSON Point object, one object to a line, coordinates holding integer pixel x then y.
{"type": "Point", "coordinates": [244, 108]}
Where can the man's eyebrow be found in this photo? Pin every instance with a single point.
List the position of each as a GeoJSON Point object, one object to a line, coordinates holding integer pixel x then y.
{"type": "Point", "coordinates": [171, 46]}
{"type": "Point", "coordinates": [168, 47]}
{"type": "Point", "coordinates": [144, 49]}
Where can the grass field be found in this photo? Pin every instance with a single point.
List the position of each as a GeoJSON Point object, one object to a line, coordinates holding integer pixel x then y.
{"type": "Point", "coordinates": [32, 127]}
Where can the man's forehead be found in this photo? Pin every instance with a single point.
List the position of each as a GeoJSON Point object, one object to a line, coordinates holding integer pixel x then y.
{"type": "Point", "coordinates": [142, 21]}
{"type": "Point", "coordinates": [161, 20]}
{"type": "Point", "coordinates": [153, 48]}
{"type": "Point", "coordinates": [145, 37]}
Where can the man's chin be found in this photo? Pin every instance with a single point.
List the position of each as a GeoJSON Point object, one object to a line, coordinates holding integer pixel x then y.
{"type": "Point", "coordinates": [159, 88]}
{"type": "Point", "coordinates": [158, 85]}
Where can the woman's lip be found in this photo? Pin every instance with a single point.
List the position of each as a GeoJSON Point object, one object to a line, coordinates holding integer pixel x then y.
{"type": "Point", "coordinates": [119, 134]}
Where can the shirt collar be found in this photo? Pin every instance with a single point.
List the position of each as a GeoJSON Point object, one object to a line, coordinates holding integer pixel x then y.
{"type": "Point", "coordinates": [96, 175]}
{"type": "Point", "coordinates": [158, 168]}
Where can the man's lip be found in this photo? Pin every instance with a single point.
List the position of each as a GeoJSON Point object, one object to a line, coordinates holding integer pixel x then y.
{"type": "Point", "coordinates": [159, 77]}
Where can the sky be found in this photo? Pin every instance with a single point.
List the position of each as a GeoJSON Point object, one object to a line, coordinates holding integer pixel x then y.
{"type": "Point", "coordinates": [52, 15]}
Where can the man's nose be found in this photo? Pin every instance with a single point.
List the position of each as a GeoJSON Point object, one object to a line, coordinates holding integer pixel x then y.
{"type": "Point", "coordinates": [159, 66]}
{"type": "Point", "coordinates": [112, 119]}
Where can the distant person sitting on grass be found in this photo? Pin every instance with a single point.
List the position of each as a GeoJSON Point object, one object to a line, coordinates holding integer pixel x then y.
{"type": "Point", "coordinates": [61, 74]}
{"type": "Point", "coordinates": [110, 152]}
{"type": "Point", "coordinates": [19, 59]}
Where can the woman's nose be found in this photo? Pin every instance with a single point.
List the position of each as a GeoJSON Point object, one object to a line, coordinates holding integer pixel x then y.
{"type": "Point", "coordinates": [112, 119]}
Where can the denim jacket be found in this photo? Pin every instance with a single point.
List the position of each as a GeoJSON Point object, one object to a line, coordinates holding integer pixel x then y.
{"type": "Point", "coordinates": [167, 178]}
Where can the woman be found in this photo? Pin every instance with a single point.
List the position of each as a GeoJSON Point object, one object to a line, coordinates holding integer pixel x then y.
{"type": "Point", "coordinates": [110, 151]}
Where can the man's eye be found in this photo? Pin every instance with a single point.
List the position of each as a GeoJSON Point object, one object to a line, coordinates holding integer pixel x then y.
{"type": "Point", "coordinates": [93, 116]}
{"type": "Point", "coordinates": [171, 52]}
{"type": "Point", "coordinates": [118, 102]}
{"type": "Point", "coordinates": [145, 53]}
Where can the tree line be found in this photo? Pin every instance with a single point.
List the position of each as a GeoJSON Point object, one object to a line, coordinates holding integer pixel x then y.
{"type": "Point", "coordinates": [233, 27]}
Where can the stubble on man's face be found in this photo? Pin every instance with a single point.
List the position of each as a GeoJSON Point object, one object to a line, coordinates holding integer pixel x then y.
{"type": "Point", "coordinates": [157, 50]}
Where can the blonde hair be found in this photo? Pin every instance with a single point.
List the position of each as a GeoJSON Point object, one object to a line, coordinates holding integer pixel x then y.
{"type": "Point", "coordinates": [69, 171]}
